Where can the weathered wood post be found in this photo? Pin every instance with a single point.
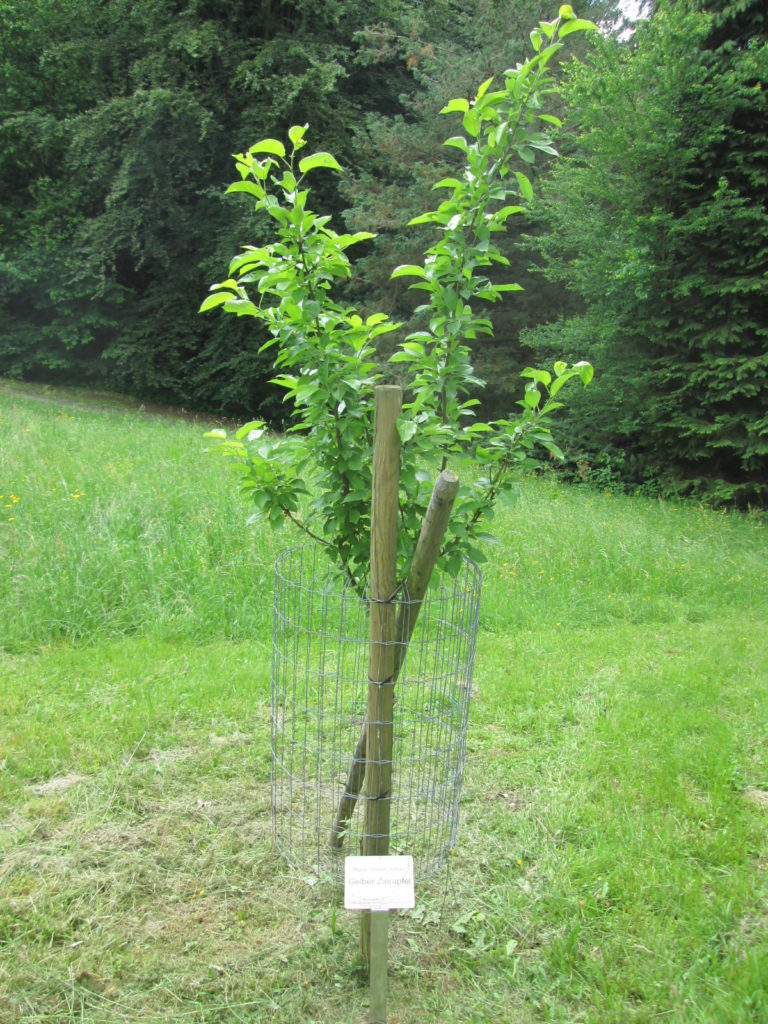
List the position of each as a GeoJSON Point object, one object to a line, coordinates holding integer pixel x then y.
{"type": "Point", "coordinates": [383, 614]}
{"type": "Point", "coordinates": [381, 671]}
{"type": "Point", "coordinates": [416, 583]}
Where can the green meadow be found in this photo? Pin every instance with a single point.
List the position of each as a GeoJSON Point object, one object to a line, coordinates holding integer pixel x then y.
{"type": "Point", "coordinates": [612, 863]}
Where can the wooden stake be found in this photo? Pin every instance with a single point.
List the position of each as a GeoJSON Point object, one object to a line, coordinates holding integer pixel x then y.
{"type": "Point", "coordinates": [383, 583]}
{"type": "Point", "coordinates": [381, 652]}
{"type": "Point", "coordinates": [424, 558]}
{"type": "Point", "coordinates": [378, 966]}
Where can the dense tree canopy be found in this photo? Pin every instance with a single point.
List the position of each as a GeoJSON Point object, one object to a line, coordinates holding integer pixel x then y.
{"type": "Point", "coordinates": [669, 252]}
{"type": "Point", "coordinates": [117, 121]}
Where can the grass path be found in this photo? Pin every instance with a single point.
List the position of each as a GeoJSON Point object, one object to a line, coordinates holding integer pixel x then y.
{"type": "Point", "coordinates": [612, 862]}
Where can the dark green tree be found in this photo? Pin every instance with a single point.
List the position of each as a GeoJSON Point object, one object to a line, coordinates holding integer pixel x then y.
{"type": "Point", "coordinates": [668, 256]}
{"type": "Point", "coordinates": [116, 122]}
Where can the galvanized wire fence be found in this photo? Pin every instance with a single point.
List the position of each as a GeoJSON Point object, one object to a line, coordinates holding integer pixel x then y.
{"type": "Point", "coordinates": [319, 694]}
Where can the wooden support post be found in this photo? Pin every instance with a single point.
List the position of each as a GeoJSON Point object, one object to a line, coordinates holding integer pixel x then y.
{"type": "Point", "coordinates": [383, 582]}
{"type": "Point", "coordinates": [424, 558]}
{"type": "Point", "coordinates": [378, 966]}
{"type": "Point", "coordinates": [381, 653]}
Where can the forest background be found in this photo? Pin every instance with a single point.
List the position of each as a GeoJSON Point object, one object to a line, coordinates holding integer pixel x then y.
{"type": "Point", "coordinates": [646, 249]}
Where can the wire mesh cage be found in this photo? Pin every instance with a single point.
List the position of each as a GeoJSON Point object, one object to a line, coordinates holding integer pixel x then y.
{"type": "Point", "coordinates": [319, 698]}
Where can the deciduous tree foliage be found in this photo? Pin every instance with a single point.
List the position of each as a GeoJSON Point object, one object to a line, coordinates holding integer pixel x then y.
{"type": "Point", "coordinates": [325, 351]}
{"type": "Point", "coordinates": [669, 252]}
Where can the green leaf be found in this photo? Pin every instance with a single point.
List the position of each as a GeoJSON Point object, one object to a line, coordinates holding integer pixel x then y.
{"type": "Point", "coordinates": [447, 183]}
{"type": "Point", "coordinates": [309, 163]}
{"type": "Point", "coordinates": [247, 186]}
{"type": "Point", "coordinates": [272, 146]}
{"type": "Point", "coordinates": [542, 376]}
{"type": "Point", "coordinates": [566, 12]}
{"type": "Point", "coordinates": [243, 307]}
{"type": "Point", "coordinates": [484, 87]}
{"type": "Point", "coordinates": [487, 538]}
{"type": "Point", "coordinates": [546, 55]}
{"type": "Point", "coordinates": [408, 270]}
{"type": "Point", "coordinates": [358, 236]}
{"type": "Point", "coordinates": [424, 218]}
{"type": "Point", "coordinates": [532, 397]}
{"type": "Point", "coordinates": [548, 28]}
{"type": "Point", "coordinates": [526, 187]}
{"type": "Point", "coordinates": [252, 259]}
{"type": "Point", "coordinates": [579, 25]}
{"type": "Point", "coordinates": [407, 429]}
{"type": "Point", "coordinates": [215, 300]}
{"type": "Point", "coordinates": [471, 122]}
{"type": "Point", "coordinates": [560, 381]}
{"type": "Point", "coordinates": [507, 211]}
{"type": "Point", "coordinates": [452, 106]}
{"type": "Point", "coordinates": [296, 135]}
{"type": "Point", "coordinates": [509, 496]}
{"type": "Point", "coordinates": [414, 346]}
{"type": "Point", "coordinates": [459, 142]}
{"type": "Point", "coordinates": [245, 430]}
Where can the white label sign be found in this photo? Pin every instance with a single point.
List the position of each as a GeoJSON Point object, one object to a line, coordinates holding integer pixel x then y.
{"type": "Point", "coordinates": [378, 883]}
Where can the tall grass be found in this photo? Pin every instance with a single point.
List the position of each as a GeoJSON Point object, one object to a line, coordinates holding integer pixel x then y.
{"type": "Point", "coordinates": [612, 864]}
{"type": "Point", "coordinates": [114, 523]}
{"type": "Point", "coordinates": [582, 558]}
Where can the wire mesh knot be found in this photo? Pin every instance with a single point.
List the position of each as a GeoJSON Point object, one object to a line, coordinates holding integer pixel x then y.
{"type": "Point", "coordinates": [402, 586]}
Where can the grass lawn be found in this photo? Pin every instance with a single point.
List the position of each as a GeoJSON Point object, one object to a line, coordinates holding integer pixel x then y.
{"type": "Point", "coordinates": [612, 863]}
